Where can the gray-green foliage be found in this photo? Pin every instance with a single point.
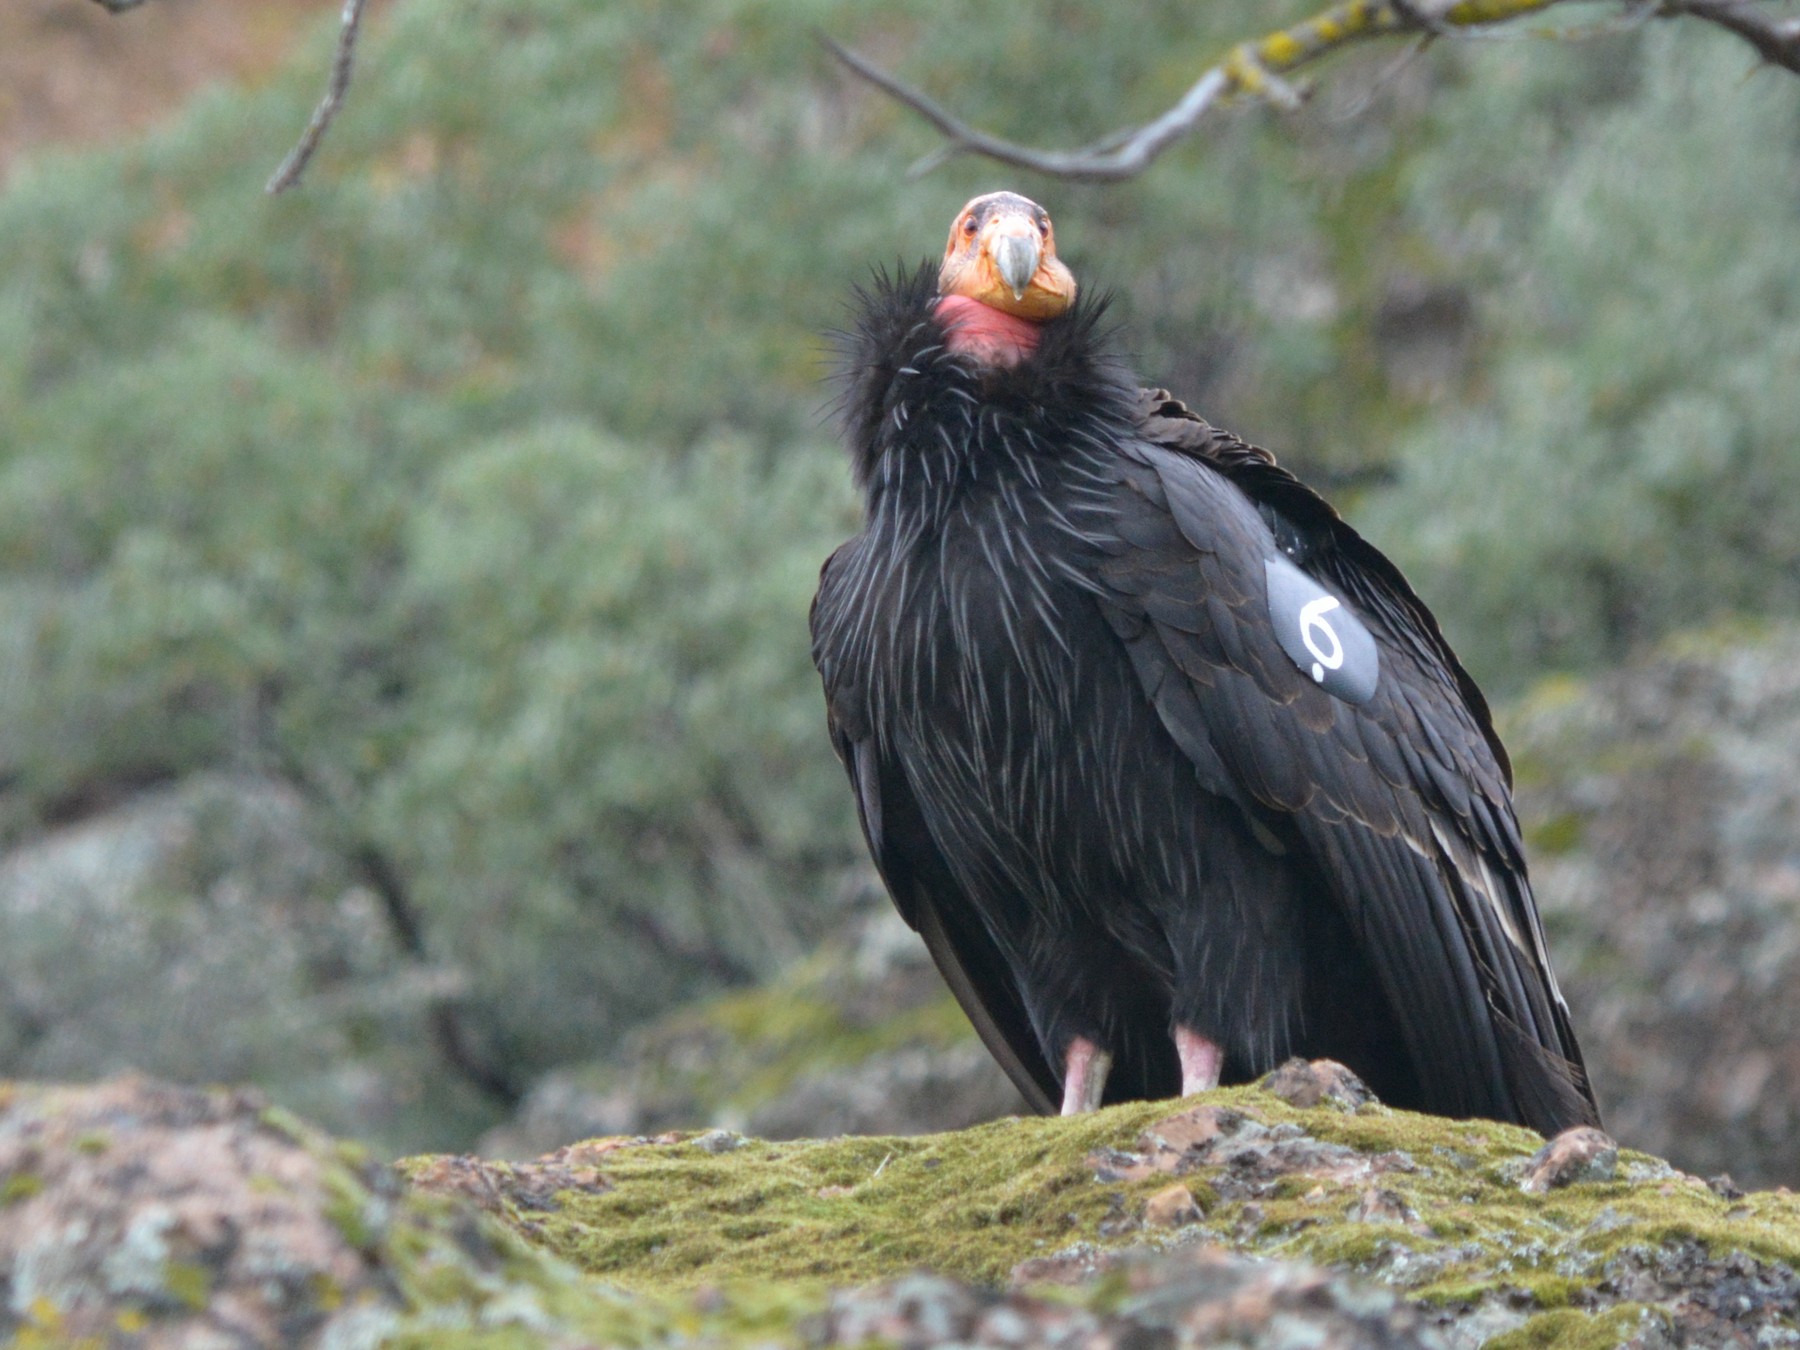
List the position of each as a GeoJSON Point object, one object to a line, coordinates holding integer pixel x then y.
{"type": "Point", "coordinates": [614, 742]}
{"type": "Point", "coordinates": [1630, 462]}
{"type": "Point", "coordinates": [478, 488]}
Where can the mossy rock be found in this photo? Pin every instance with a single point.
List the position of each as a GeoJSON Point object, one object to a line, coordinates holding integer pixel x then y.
{"type": "Point", "coordinates": [1431, 1208]}
{"type": "Point", "coordinates": [143, 1215]}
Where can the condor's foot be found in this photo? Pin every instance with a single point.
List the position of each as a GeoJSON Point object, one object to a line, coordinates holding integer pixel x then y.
{"type": "Point", "coordinates": [1201, 1061]}
{"type": "Point", "coordinates": [1085, 1066]}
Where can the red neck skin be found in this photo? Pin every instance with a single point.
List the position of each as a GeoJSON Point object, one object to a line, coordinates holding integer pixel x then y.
{"type": "Point", "coordinates": [991, 336]}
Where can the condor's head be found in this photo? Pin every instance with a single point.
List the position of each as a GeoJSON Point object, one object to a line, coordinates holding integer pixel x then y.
{"type": "Point", "coordinates": [1001, 279]}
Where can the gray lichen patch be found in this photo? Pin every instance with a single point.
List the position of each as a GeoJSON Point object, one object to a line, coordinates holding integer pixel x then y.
{"type": "Point", "coordinates": [205, 1220]}
{"type": "Point", "coordinates": [162, 1225]}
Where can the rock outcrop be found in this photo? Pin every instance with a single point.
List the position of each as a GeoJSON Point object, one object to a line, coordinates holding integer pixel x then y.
{"type": "Point", "coordinates": [1480, 1230]}
{"type": "Point", "coordinates": [1662, 815]}
{"type": "Point", "coordinates": [135, 1214]}
{"type": "Point", "coordinates": [211, 929]}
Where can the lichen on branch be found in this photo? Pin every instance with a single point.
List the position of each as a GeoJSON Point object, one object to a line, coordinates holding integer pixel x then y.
{"type": "Point", "coordinates": [1256, 69]}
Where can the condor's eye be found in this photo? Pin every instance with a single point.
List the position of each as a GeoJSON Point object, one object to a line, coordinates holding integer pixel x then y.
{"type": "Point", "coordinates": [970, 226]}
{"type": "Point", "coordinates": [1044, 228]}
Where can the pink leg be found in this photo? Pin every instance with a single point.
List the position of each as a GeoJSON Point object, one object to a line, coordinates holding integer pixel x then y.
{"type": "Point", "coordinates": [1085, 1067]}
{"type": "Point", "coordinates": [1200, 1061]}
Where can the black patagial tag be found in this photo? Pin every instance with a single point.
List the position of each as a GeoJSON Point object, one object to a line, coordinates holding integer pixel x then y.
{"type": "Point", "coordinates": [1320, 635]}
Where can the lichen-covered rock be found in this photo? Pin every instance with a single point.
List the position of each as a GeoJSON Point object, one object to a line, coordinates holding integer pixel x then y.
{"type": "Point", "coordinates": [1579, 1154]}
{"type": "Point", "coordinates": [1206, 1297]}
{"type": "Point", "coordinates": [134, 1213]}
{"type": "Point", "coordinates": [1301, 1082]}
{"type": "Point", "coordinates": [210, 930]}
{"type": "Point", "coordinates": [164, 1211]}
{"type": "Point", "coordinates": [137, 1214]}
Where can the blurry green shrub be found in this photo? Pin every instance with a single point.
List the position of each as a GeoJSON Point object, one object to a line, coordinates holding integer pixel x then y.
{"type": "Point", "coordinates": [1629, 463]}
{"type": "Point", "coordinates": [610, 770]}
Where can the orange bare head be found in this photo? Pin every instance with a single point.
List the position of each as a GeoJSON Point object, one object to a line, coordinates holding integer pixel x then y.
{"type": "Point", "coordinates": [1002, 253]}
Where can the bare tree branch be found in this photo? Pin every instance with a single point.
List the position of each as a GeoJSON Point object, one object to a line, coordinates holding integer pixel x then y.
{"type": "Point", "coordinates": [1777, 41]}
{"type": "Point", "coordinates": [301, 155]}
{"type": "Point", "coordinates": [1255, 71]}
{"type": "Point", "coordinates": [1121, 155]}
{"type": "Point", "coordinates": [342, 64]}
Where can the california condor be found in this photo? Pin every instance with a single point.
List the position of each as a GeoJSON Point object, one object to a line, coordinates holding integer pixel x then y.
{"type": "Point", "coordinates": [1171, 769]}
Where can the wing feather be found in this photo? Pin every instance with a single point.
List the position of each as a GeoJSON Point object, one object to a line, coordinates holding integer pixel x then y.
{"type": "Point", "coordinates": [927, 894]}
{"type": "Point", "coordinates": [1404, 801]}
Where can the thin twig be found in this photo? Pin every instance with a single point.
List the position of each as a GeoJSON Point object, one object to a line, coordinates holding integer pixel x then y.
{"type": "Point", "coordinates": [288, 175]}
{"type": "Point", "coordinates": [1132, 155]}
{"type": "Point", "coordinates": [1255, 70]}
{"type": "Point", "coordinates": [1388, 74]}
{"type": "Point", "coordinates": [118, 6]}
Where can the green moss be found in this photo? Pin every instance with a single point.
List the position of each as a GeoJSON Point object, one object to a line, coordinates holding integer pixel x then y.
{"type": "Point", "coordinates": [469, 1284]}
{"type": "Point", "coordinates": [347, 1206]}
{"type": "Point", "coordinates": [975, 1203]}
{"type": "Point", "coordinates": [188, 1282]}
{"type": "Point", "coordinates": [1571, 1329]}
{"type": "Point", "coordinates": [1553, 1293]}
{"type": "Point", "coordinates": [286, 1124]}
{"type": "Point", "coordinates": [752, 1316]}
{"type": "Point", "coordinates": [18, 1187]}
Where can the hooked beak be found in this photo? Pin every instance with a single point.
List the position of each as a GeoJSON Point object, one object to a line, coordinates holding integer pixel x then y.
{"type": "Point", "coordinates": [1016, 259]}
{"type": "Point", "coordinates": [1002, 253]}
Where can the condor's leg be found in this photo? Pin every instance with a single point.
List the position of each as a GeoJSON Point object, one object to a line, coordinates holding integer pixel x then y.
{"type": "Point", "coordinates": [1085, 1066]}
{"type": "Point", "coordinates": [1201, 1061]}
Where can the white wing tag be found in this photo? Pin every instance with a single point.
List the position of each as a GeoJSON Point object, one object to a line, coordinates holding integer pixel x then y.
{"type": "Point", "coordinates": [1321, 636]}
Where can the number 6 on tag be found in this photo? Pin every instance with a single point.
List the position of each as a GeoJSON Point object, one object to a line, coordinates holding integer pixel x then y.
{"type": "Point", "coordinates": [1337, 653]}
{"type": "Point", "coordinates": [1311, 622]}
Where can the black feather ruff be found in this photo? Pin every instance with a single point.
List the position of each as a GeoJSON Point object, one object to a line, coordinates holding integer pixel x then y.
{"type": "Point", "coordinates": [896, 362]}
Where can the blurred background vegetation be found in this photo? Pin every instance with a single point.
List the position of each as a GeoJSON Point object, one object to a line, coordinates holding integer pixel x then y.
{"type": "Point", "coordinates": [404, 685]}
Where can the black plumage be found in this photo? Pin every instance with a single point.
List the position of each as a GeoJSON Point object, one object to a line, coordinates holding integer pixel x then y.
{"type": "Point", "coordinates": [1094, 781]}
